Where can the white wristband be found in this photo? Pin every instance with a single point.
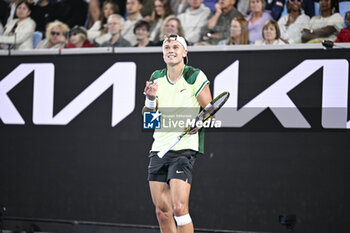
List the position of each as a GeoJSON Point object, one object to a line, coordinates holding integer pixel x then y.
{"type": "Point", "coordinates": [150, 104]}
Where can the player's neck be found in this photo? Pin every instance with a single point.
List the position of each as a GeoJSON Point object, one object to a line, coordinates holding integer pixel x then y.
{"type": "Point", "coordinates": [174, 72]}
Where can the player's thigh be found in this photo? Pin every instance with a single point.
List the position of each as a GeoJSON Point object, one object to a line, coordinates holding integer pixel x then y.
{"type": "Point", "coordinates": [180, 192]}
{"type": "Point", "coordinates": [161, 196]}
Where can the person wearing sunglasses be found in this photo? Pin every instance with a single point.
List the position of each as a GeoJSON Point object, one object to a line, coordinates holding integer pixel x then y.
{"type": "Point", "coordinates": [323, 27]}
{"type": "Point", "coordinates": [55, 36]}
{"type": "Point", "coordinates": [78, 38]}
{"type": "Point", "coordinates": [293, 23]}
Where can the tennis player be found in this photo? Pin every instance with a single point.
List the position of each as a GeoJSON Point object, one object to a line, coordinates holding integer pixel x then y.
{"type": "Point", "coordinates": [177, 86]}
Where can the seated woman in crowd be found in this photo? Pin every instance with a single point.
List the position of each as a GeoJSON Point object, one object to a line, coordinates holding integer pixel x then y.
{"type": "Point", "coordinates": [160, 11]}
{"type": "Point", "coordinates": [78, 38]}
{"type": "Point", "coordinates": [19, 32]}
{"type": "Point", "coordinates": [293, 23]}
{"type": "Point", "coordinates": [323, 27]}
{"type": "Point", "coordinates": [142, 31]}
{"type": "Point", "coordinates": [171, 25]}
{"type": "Point", "coordinates": [56, 33]}
{"type": "Point", "coordinates": [344, 34]}
{"type": "Point", "coordinates": [239, 33]}
{"type": "Point", "coordinates": [99, 29]}
{"type": "Point", "coordinates": [256, 19]}
{"type": "Point", "coordinates": [271, 34]}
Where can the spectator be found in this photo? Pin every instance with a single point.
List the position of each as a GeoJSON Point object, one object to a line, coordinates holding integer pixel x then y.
{"type": "Point", "coordinates": [344, 34]}
{"type": "Point", "coordinates": [56, 33]}
{"type": "Point", "coordinates": [271, 34]}
{"type": "Point", "coordinates": [194, 19]}
{"type": "Point", "coordinates": [11, 14]}
{"type": "Point", "coordinates": [71, 12]}
{"type": "Point", "coordinates": [95, 9]}
{"type": "Point", "coordinates": [133, 7]}
{"type": "Point", "coordinates": [275, 7]}
{"type": "Point", "coordinates": [42, 14]}
{"type": "Point", "coordinates": [171, 25]}
{"type": "Point", "coordinates": [239, 33]}
{"type": "Point", "coordinates": [324, 27]}
{"type": "Point", "coordinates": [218, 24]}
{"type": "Point", "coordinates": [293, 23]}
{"type": "Point", "coordinates": [78, 38]}
{"type": "Point", "coordinates": [115, 25]}
{"type": "Point", "coordinates": [142, 31]}
{"type": "Point", "coordinates": [161, 10]}
{"type": "Point", "coordinates": [19, 32]}
{"type": "Point", "coordinates": [256, 19]}
{"type": "Point", "coordinates": [99, 29]}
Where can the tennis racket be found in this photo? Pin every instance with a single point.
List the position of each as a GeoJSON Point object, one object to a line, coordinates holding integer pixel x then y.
{"type": "Point", "coordinates": [207, 113]}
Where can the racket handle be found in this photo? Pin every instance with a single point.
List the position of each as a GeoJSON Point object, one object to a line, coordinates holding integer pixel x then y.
{"type": "Point", "coordinates": [165, 150]}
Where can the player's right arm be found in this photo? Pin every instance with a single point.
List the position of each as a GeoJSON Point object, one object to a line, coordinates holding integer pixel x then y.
{"type": "Point", "coordinates": [151, 103]}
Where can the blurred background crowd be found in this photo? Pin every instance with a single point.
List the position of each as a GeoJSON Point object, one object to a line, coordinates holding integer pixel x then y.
{"type": "Point", "coordinates": [45, 24]}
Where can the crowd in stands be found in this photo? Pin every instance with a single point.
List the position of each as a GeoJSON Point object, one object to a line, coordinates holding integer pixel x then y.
{"type": "Point", "coordinates": [58, 24]}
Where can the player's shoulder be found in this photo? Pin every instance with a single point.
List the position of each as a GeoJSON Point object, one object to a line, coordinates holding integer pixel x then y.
{"type": "Point", "coordinates": [158, 74]}
{"type": "Point", "coordinates": [190, 74]}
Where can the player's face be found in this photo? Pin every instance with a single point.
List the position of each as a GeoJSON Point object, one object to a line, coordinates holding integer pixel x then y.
{"type": "Point", "coordinates": [173, 52]}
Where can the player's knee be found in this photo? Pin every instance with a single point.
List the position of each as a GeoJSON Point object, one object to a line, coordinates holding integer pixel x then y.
{"type": "Point", "coordinates": [163, 215]}
{"type": "Point", "coordinates": [180, 209]}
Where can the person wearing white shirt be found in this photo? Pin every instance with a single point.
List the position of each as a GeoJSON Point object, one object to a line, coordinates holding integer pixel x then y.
{"type": "Point", "coordinates": [324, 27]}
{"type": "Point", "coordinates": [133, 7]}
{"type": "Point", "coordinates": [293, 23]}
{"type": "Point", "coordinates": [19, 32]}
{"type": "Point", "coordinates": [194, 19]}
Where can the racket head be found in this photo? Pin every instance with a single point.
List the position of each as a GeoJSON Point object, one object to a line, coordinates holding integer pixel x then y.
{"type": "Point", "coordinates": [216, 104]}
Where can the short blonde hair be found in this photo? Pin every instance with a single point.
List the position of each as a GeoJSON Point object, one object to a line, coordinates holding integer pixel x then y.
{"type": "Point", "coordinates": [56, 24]}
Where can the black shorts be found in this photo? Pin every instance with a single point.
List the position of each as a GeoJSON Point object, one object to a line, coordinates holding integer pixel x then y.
{"type": "Point", "coordinates": [174, 165]}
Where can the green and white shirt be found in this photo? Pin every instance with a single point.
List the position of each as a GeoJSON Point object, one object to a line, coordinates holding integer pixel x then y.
{"type": "Point", "coordinates": [179, 99]}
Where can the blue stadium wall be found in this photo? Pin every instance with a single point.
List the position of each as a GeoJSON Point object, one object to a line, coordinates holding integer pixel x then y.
{"type": "Point", "coordinates": [88, 169]}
